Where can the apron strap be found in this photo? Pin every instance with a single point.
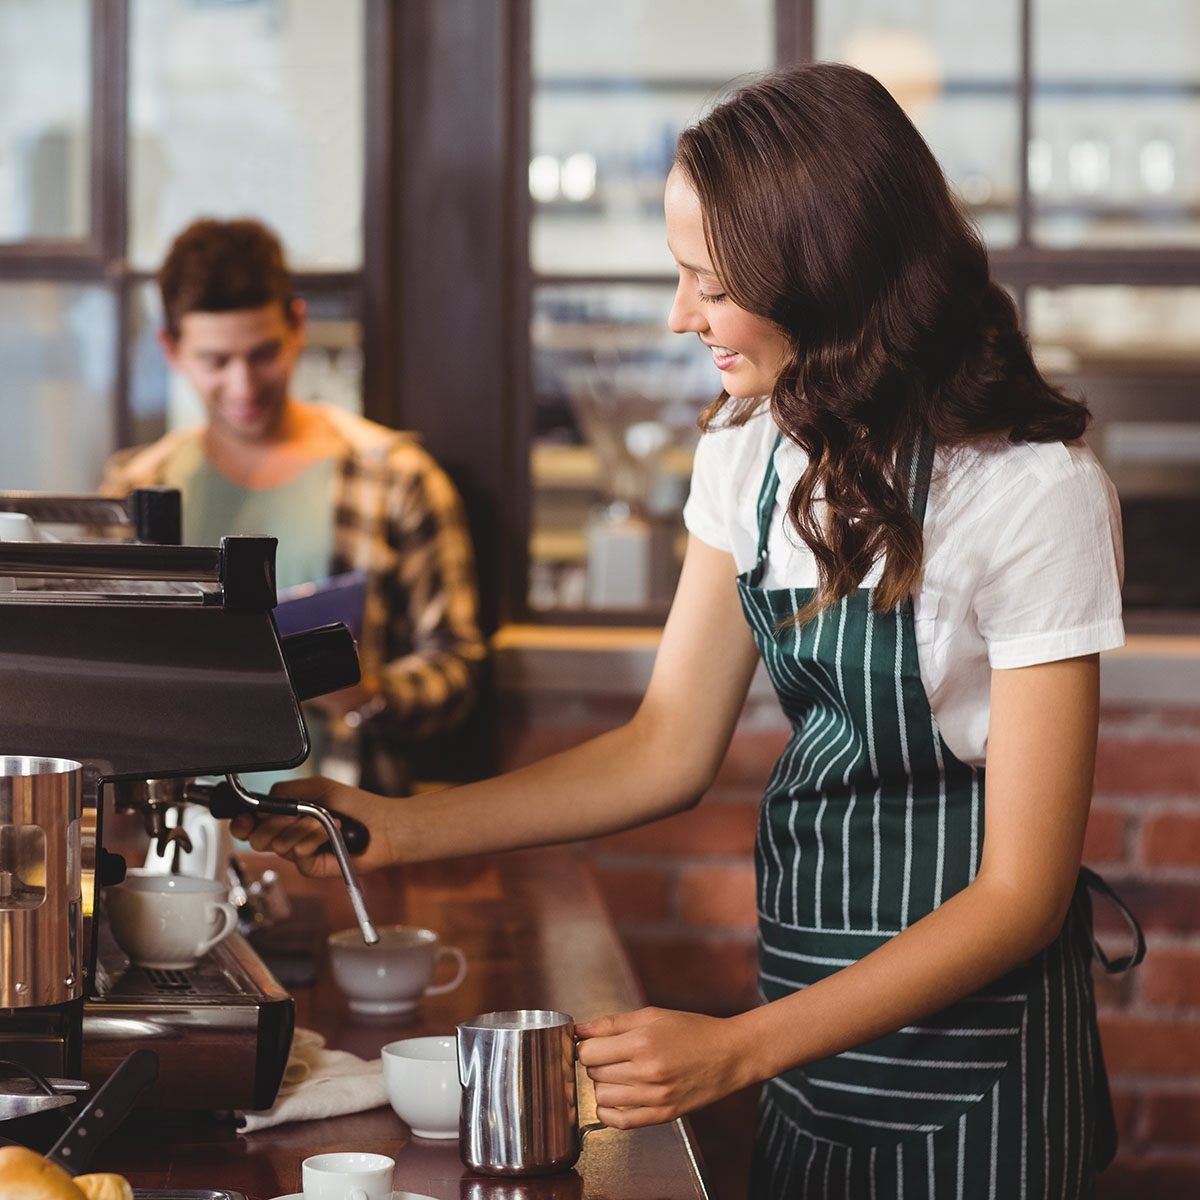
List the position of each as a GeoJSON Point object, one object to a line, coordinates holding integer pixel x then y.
{"type": "Point", "coordinates": [1090, 881]}
{"type": "Point", "coordinates": [766, 506]}
{"type": "Point", "coordinates": [920, 471]}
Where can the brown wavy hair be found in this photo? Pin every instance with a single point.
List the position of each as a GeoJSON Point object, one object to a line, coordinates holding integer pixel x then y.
{"type": "Point", "coordinates": [224, 266]}
{"type": "Point", "coordinates": [826, 213]}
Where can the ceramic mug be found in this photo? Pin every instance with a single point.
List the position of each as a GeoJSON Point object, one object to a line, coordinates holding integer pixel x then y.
{"type": "Point", "coordinates": [389, 979]}
{"type": "Point", "coordinates": [169, 922]}
{"type": "Point", "coordinates": [421, 1077]}
{"type": "Point", "coordinates": [348, 1175]}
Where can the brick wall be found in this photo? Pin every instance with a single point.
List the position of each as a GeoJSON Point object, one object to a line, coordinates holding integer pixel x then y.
{"type": "Point", "coordinates": [1144, 837]}
{"type": "Point", "coordinates": [682, 895]}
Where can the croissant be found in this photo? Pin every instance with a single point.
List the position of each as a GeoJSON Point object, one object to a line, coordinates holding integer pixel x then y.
{"type": "Point", "coordinates": [26, 1175]}
{"type": "Point", "coordinates": [104, 1187]}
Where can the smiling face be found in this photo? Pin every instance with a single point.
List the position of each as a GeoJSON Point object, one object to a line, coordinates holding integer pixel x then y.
{"type": "Point", "coordinates": [748, 350]}
{"type": "Point", "coordinates": [240, 364]}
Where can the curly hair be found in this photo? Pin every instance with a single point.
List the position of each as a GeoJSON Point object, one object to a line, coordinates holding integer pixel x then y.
{"type": "Point", "coordinates": [223, 266]}
{"type": "Point", "coordinates": [826, 213]}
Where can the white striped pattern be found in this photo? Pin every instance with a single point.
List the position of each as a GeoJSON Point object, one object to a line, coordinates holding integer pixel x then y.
{"type": "Point", "coordinates": [966, 1115]}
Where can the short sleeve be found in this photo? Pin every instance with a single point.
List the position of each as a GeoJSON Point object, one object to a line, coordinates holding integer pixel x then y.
{"type": "Point", "coordinates": [706, 512]}
{"type": "Point", "coordinates": [1052, 589]}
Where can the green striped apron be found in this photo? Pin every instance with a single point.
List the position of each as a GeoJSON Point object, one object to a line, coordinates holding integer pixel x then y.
{"type": "Point", "coordinates": [869, 822]}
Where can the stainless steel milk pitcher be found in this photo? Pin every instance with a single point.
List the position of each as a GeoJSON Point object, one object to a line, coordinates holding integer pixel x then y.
{"type": "Point", "coordinates": [520, 1113]}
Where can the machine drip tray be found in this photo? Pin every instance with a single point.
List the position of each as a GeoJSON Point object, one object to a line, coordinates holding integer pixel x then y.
{"type": "Point", "coordinates": [229, 974]}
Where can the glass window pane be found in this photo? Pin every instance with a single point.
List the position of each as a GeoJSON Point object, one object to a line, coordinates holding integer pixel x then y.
{"type": "Point", "coordinates": [45, 119]}
{"type": "Point", "coordinates": [1132, 352]}
{"type": "Point", "coordinates": [1115, 153]}
{"type": "Point", "coordinates": [613, 86]}
{"type": "Point", "coordinates": [58, 347]}
{"type": "Point", "coordinates": [953, 67]}
{"type": "Point", "coordinates": [253, 108]}
{"type": "Point", "coordinates": [329, 370]}
{"type": "Point", "coordinates": [617, 396]}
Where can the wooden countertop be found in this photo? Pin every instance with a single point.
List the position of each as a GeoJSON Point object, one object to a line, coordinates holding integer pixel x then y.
{"type": "Point", "coordinates": [536, 935]}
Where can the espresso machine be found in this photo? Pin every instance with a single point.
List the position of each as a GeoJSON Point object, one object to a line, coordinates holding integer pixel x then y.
{"type": "Point", "coordinates": [151, 666]}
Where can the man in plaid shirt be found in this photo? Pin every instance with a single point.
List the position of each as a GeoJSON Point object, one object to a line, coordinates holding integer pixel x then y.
{"type": "Point", "coordinates": [340, 492]}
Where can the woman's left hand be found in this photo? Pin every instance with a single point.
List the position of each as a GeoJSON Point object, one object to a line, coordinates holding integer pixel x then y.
{"type": "Point", "coordinates": [654, 1065]}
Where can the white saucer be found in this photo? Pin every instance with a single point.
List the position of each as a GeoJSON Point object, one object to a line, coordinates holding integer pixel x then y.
{"type": "Point", "coordinates": [383, 1008]}
{"type": "Point", "coordinates": [395, 1196]}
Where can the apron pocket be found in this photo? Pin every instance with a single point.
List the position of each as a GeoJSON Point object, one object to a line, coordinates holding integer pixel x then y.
{"type": "Point", "coordinates": [916, 1080]}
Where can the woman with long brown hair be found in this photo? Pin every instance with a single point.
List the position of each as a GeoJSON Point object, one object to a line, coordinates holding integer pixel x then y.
{"type": "Point", "coordinates": [893, 509]}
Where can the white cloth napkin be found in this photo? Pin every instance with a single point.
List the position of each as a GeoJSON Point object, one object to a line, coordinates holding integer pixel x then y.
{"type": "Point", "coordinates": [318, 1082]}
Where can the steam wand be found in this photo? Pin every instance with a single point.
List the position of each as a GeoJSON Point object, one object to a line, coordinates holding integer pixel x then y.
{"type": "Point", "coordinates": [232, 797]}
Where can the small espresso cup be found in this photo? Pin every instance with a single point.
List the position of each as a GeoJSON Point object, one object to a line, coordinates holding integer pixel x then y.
{"type": "Point", "coordinates": [389, 978]}
{"type": "Point", "coordinates": [169, 922]}
{"type": "Point", "coordinates": [348, 1175]}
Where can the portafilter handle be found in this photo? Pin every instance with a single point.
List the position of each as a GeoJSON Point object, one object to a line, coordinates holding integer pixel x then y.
{"type": "Point", "coordinates": [231, 798]}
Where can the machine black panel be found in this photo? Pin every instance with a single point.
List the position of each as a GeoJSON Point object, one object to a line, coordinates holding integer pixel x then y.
{"type": "Point", "coordinates": [144, 691]}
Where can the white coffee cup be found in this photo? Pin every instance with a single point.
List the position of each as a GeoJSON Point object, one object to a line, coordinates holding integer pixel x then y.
{"type": "Point", "coordinates": [348, 1175]}
{"type": "Point", "coordinates": [421, 1078]}
{"type": "Point", "coordinates": [389, 978]}
{"type": "Point", "coordinates": [169, 922]}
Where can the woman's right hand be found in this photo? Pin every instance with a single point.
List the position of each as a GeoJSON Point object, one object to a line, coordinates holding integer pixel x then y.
{"type": "Point", "coordinates": [299, 838]}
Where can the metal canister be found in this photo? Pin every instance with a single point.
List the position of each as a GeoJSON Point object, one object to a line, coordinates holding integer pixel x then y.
{"type": "Point", "coordinates": [40, 896]}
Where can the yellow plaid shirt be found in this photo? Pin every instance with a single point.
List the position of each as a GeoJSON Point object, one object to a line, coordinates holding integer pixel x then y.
{"type": "Point", "coordinates": [399, 517]}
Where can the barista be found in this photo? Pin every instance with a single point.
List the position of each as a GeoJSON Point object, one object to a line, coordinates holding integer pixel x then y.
{"type": "Point", "coordinates": [339, 492]}
{"type": "Point", "coordinates": [892, 510]}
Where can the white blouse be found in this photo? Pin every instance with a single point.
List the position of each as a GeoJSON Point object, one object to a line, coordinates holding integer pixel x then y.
{"type": "Point", "coordinates": [1023, 559]}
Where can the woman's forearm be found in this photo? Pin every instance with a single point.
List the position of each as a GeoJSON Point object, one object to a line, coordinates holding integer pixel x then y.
{"type": "Point", "coordinates": [612, 782]}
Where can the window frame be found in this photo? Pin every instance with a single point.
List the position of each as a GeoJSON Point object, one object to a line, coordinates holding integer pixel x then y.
{"type": "Point", "coordinates": [1023, 265]}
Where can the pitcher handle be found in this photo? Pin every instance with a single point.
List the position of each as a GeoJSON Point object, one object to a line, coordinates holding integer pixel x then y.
{"type": "Point", "coordinates": [594, 1127]}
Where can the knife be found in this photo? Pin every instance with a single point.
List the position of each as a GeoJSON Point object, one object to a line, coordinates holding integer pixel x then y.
{"type": "Point", "coordinates": [104, 1112]}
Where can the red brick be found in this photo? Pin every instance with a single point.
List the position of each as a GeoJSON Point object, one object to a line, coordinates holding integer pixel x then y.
{"type": "Point", "coordinates": [1148, 766]}
{"type": "Point", "coordinates": [1105, 840]}
{"type": "Point", "coordinates": [744, 793]}
{"type": "Point", "coordinates": [1172, 839]}
{"type": "Point", "coordinates": [1162, 906]}
{"type": "Point", "coordinates": [1171, 977]}
{"type": "Point", "coordinates": [1113, 991]}
{"type": "Point", "coordinates": [718, 897]}
{"type": "Point", "coordinates": [696, 973]}
{"type": "Point", "coordinates": [534, 743]}
{"type": "Point", "coordinates": [751, 756]}
{"type": "Point", "coordinates": [1144, 1046]}
{"type": "Point", "coordinates": [1136, 1178]}
{"type": "Point", "coordinates": [706, 829]}
{"type": "Point", "coordinates": [1126, 1106]}
{"type": "Point", "coordinates": [1172, 1119]}
{"type": "Point", "coordinates": [634, 895]}
{"type": "Point", "coordinates": [1168, 718]}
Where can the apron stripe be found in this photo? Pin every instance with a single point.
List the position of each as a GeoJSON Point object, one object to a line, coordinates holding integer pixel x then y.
{"type": "Point", "coordinates": [962, 1155]}
{"type": "Point", "coordinates": [1024, 1103]}
{"type": "Point", "coordinates": [941, 830]}
{"type": "Point", "coordinates": [908, 808]}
